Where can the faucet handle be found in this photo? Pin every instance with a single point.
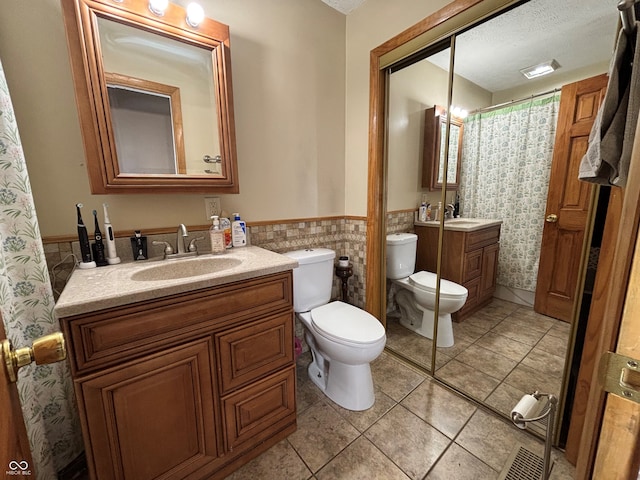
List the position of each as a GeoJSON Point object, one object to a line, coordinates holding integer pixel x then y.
{"type": "Point", "coordinates": [192, 244]}
{"type": "Point", "coordinates": [168, 249]}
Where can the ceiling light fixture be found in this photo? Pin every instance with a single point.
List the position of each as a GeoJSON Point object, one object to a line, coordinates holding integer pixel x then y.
{"type": "Point", "coordinates": [195, 14]}
{"type": "Point", "coordinates": [158, 6]}
{"type": "Point", "coordinates": [541, 69]}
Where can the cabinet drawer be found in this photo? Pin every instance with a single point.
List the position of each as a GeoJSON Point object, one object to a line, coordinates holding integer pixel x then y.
{"type": "Point", "coordinates": [482, 238]}
{"type": "Point", "coordinates": [106, 337]}
{"type": "Point", "coordinates": [472, 267]}
{"type": "Point", "coordinates": [260, 410]}
{"type": "Point", "coordinates": [249, 352]}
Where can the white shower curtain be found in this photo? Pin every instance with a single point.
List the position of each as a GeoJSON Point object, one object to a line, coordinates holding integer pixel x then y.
{"type": "Point", "coordinates": [506, 162]}
{"type": "Point", "coordinates": [26, 303]}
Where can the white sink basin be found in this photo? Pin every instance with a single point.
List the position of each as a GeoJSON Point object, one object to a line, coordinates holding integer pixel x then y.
{"type": "Point", "coordinates": [462, 224]}
{"type": "Point", "coordinates": [185, 268]}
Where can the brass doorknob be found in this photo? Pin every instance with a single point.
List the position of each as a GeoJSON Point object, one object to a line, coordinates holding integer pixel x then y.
{"type": "Point", "coordinates": [47, 349]}
{"type": "Point", "coordinates": [553, 218]}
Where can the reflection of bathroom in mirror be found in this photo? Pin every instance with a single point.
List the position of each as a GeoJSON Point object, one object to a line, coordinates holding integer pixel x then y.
{"type": "Point", "coordinates": [433, 150]}
{"type": "Point", "coordinates": [147, 125]}
{"type": "Point", "coordinates": [153, 59]}
{"type": "Point", "coordinates": [155, 99]}
{"type": "Point", "coordinates": [503, 346]}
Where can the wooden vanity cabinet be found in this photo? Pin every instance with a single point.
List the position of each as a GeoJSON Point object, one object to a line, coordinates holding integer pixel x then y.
{"type": "Point", "coordinates": [188, 386]}
{"type": "Point", "coordinates": [468, 258]}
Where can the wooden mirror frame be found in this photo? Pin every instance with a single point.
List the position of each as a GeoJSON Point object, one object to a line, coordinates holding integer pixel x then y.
{"type": "Point", "coordinates": [435, 120]}
{"type": "Point", "coordinates": [80, 17]}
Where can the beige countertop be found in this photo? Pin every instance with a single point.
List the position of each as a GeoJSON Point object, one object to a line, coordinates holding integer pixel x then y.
{"type": "Point", "coordinates": [111, 286]}
{"type": "Point", "coordinates": [462, 224]}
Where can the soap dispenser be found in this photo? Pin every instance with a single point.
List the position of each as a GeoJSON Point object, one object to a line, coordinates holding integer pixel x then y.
{"type": "Point", "coordinates": [216, 235]}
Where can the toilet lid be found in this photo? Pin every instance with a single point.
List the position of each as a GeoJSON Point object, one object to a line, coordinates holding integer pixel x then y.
{"type": "Point", "coordinates": [427, 281]}
{"type": "Point", "coordinates": [341, 321]}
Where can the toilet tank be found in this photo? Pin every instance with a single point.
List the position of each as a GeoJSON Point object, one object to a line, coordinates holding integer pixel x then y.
{"type": "Point", "coordinates": [401, 255]}
{"type": "Point", "coordinates": [313, 278]}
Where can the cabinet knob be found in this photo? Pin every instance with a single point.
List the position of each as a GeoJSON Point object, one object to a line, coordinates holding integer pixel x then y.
{"type": "Point", "coordinates": [553, 218]}
{"type": "Point", "coordinates": [47, 349]}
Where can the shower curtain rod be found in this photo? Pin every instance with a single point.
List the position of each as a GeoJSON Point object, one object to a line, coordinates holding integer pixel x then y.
{"type": "Point", "coordinates": [511, 102]}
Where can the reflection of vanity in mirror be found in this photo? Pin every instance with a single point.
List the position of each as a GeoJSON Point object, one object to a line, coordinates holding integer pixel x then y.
{"type": "Point", "coordinates": [155, 99]}
{"type": "Point", "coordinates": [506, 348]}
{"type": "Point", "coordinates": [435, 131]}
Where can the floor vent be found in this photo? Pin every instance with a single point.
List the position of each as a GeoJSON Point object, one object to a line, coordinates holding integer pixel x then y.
{"type": "Point", "coordinates": [523, 464]}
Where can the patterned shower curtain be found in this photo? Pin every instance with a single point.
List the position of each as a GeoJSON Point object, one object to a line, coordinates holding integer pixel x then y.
{"type": "Point", "coordinates": [26, 303]}
{"type": "Point", "coordinates": [506, 162]}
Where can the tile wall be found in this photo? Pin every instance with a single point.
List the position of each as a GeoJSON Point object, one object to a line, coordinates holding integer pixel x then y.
{"type": "Point", "coordinates": [345, 235]}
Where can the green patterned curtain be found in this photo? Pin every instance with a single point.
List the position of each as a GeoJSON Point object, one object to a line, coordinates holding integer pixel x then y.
{"type": "Point", "coordinates": [506, 162]}
{"type": "Point", "coordinates": [26, 303]}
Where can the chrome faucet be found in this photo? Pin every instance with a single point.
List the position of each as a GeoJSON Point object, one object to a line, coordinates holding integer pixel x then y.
{"type": "Point", "coordinates": [182, 232]}
{"type": "Point", "coordinates": [448, 211]}
{"type": "Point", "coordinates": [181, 250]}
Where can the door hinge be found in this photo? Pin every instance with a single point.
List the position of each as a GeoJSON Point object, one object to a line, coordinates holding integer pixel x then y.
{"type": "Point", "coordinates": [620, 375]}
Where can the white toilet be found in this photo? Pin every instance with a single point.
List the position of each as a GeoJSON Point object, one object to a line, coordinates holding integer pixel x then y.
{"type": "Point", "coordinates": [343, 339]}
{"type": "Point", "coordinates": [417, 294]}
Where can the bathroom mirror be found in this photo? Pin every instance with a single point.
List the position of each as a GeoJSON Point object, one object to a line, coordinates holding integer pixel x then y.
{"type": "Point", "coordinates": [435, 131]}
{"type": "Point", "coordinates": [473, 365]}
{"type": "Point", "coordinates": [154, 96]}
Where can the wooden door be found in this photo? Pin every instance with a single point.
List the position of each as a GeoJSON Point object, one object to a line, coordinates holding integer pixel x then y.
{"type": "Point", "coordinates": [618, 450]}
{"type": "Point", "coordinates": [568, 200]}
{"type": "Point", "coordinates": [15, 455]}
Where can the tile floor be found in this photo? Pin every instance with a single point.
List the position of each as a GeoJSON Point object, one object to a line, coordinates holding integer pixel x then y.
{"type": "Point", "coordinates": [417, 429]}
{"type": "Point", "coordinates": [501, 352]}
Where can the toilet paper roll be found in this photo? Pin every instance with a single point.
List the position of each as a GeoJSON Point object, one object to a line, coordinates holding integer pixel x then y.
{"type": "Point", "coordinates": [523, 410]}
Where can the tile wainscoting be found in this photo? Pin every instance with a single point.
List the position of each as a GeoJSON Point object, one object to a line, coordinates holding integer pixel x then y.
{"type": "Point", "coordinates": [345, 235]}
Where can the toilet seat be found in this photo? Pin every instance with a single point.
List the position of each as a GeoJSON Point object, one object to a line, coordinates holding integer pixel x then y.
{"type": "Point", "coordinates": [427, 281]}
{"type": "Point", "coordinates": [346, 324]}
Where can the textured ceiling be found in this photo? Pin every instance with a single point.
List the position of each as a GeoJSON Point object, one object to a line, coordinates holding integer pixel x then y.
{"type": "Point", "coordinates": [344, 6]}
{"type": "Point", "coordinates": [577, 33]}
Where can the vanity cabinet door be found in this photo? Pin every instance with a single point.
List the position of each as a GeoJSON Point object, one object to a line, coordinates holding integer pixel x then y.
{"type": "Point", "coordinates": [489, 271]}
{"type": "Point", "coordinates": [152, 418]}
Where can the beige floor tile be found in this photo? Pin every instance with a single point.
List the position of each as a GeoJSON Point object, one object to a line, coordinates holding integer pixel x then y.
{"type": "Point", "coordinates": [467, 379]}
{"type": "Point", "coordinates": [322, 433]}
{"type": "Point", "coordinates": [504, 345]}
{"type": "Point", "coordinates": [307, 393]}
{"type": "Point", "coordinates": [439, 407]}
{"type": "Point", "coordinates": [482, 320]}
{"type": "Point", "coordinates": [408, 441]}
{"type": "Point", "coordinates": [518, 332]}
{"type": "Point", "coordinates": [492, 439]}
{"type": "Point", "coordinates": [280, 461]}
{"type": "Point", "coordinates": [504, 398]}
{"type": "Point", "coordinates": [554, 345]}
{"type": "Point", "coordinates": [394, 378]}
{"type": "Point", "coordinates": [487, 361]}
{"type": "Point", "coordinates": [561, 329]}
{"type": "Point", "coordinates": [467, 332]}
{"type": "Point", "coordinates": [544, 362]}
{"type": "Point", "coordinates": [364, 419]}
{"type": "Point", "coordinates": [361, 460]}
{"type": "Point", "coordinates": [458, 464]}
{"type": "Point", "coordinates": [529, 380]}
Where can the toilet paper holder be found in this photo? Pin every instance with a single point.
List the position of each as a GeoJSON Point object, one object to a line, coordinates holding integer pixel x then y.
{"type": "Point", "coordinates": [520, 416]}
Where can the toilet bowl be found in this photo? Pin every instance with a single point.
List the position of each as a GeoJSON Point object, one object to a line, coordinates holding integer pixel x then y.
{"type": "Point", "coordinates": [416, 296]}
{"type": "Point", "coordinates": [343, 339]}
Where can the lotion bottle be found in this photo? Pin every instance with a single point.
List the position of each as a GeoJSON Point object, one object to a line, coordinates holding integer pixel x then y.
{"type": "Point", "coordinates": [217, 237]}
{"type": "Point", "coordinates": [238, 231]}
